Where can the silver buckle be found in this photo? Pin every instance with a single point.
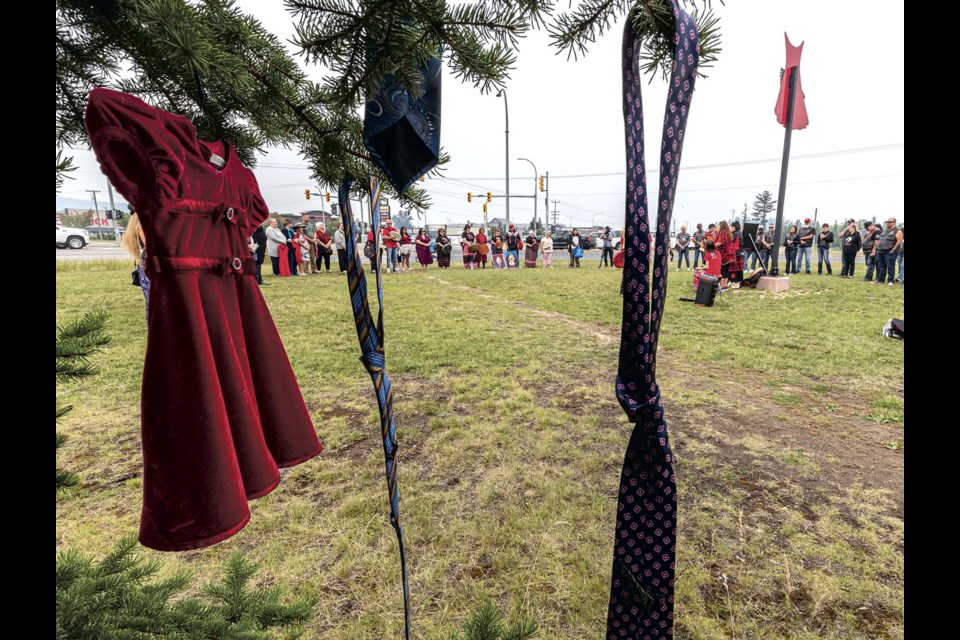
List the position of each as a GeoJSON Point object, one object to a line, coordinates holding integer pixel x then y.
{"type": "Point", "coordinates": [237, 263]}
{"type": "Point", "coordinates": [230, 213]}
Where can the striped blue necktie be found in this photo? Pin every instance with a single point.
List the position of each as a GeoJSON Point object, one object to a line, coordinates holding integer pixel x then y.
{"type": "Point", "coordinates": [372, 357]}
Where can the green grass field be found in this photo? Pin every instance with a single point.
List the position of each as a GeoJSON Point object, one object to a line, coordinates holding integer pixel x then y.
{"type": "Point", "coordinates": [786, 414]}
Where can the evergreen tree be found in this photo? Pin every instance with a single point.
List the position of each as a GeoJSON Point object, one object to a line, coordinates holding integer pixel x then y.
{"type": "Point", "coordinates": [764, 205]}
{"type": "Point", "coordinates": [210, 60]}
{"type": "Point", "coordinates": [403, 219]}
{"type": "Point", "coordinates": [76, 342]}
{"type": "Point", "coordinates": [573, 32]}
{"type": "Point", "coordinates": [78, 220]}
{"type": "Point", "coordinates": [122, 598]}
{"type": "Point", "coordinates": [487, 623]}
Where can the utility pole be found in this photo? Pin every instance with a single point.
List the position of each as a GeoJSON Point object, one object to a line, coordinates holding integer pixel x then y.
{"type": "Point", "coordinates": [116, 236]}
{"type": "Point", "coordinates": [555, 202]}
{"type": "Point", "coordinates": [96, 212]}
{"type": "Point", "coordinates": [546, 199]}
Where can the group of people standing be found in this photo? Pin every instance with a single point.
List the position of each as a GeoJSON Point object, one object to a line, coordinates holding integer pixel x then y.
{"type": "Point", "coordinates": [721, 248]}
{"type": "Point", "coordinates": [297, 249]}
{"type": "Point", "coordinates": [882, 249]}
{"type": "Point", "coordinates": [798, 245]}
{"type": "Point", "coordinates": [501, 251]}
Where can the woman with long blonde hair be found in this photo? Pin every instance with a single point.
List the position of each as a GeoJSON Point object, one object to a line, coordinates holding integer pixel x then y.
{"type": "Point", "coordinates": [135, 243]}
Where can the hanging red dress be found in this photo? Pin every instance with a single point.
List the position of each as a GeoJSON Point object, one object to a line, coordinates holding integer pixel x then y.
{"type": "Point", "coordinates": [800, 119]}
{"type": "Point", "coordinates": [220, 405]}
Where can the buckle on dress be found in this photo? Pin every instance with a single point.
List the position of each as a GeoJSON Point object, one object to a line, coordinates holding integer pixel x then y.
{"type": "Point", "coordinates": [226, 212]}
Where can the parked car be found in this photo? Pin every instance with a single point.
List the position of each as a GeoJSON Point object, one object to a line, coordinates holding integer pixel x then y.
{"type": "Point", "coordinates": [73, 238]}
{"type": "Point", "coordinates": [561, 240]}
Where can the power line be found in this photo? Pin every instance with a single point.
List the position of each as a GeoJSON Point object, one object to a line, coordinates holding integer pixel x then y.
{"type": "Point", "coordinates": [736, 163]}
{"type": "Point", "coordinates": [758, 186]}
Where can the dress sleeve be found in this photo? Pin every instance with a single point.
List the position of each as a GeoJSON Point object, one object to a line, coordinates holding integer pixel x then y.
{"type": "Point", "coordinates": [138, 153]}
{"type": "Point", "coordinates": [257, 210]}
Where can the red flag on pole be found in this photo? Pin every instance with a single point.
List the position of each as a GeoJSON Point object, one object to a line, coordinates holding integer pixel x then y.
{"type": "Point", "coordinates": [800, 120]}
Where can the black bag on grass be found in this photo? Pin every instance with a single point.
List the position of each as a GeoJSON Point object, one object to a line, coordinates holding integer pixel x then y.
{"type": "Point", "coordinates": [894, 329]}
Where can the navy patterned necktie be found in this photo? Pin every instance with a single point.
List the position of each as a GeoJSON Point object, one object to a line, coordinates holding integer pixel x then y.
{"type": "Point", "coordinates": [401, 133]}
{"type": "Point", "coordinates": [641, 589]}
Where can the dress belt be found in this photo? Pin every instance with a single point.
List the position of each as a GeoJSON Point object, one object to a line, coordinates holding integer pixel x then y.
{"type": "Point", "coordinates": [238, 266]}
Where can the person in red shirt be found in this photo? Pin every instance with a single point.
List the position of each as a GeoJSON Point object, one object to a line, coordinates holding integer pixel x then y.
{"type": "Point", "coordinates": [711, 234]}
{"type": "Point", "coordinates": [482, 241]}
{"type": "Point", "coordinates": [391, 243]}
{"type": "Point", "coordinates": [711, 259]}
{"type": "Point", "coordinates": [725, 245]}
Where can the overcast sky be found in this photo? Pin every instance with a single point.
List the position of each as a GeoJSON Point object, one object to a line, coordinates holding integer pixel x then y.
{"type": "Point", "coordinates": [566, 117]}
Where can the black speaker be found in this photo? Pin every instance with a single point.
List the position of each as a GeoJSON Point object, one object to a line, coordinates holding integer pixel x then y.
{"type": "Point", "coordinates": [707, 291]}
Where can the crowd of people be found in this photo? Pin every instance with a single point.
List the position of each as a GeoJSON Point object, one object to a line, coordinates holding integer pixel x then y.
{"type": "Point", "coordinates": [720, 251]}
{"type": "Point", "coordinates": [501, 251]}
{"type": "Point", "coordinates": [725, 253]}
{"type": "Point", "coordinates": [882, 249]}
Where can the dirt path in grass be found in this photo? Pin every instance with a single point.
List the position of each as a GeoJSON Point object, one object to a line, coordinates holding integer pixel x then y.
{"type": "Point", "coordinates": [604, 336]}
{"type": "Point", "coordinates": [848, 449]}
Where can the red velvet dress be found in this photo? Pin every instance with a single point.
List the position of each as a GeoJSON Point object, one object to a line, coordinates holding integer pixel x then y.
{"type": "Point", "coordinates": [220, 406]}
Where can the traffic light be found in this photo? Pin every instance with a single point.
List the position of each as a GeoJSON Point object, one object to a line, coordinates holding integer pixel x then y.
{"type": "Point", "coordinates": [541, 183]}
{"type": "Point", "coordinates": [328, 196]}
{"type": "Point", "coordinates": [306, 193]}
{"type": "Point", "coordinates": [484, 207]}
{"type": "Point", "coordinates": [469, 196]}
{"type": "Point", "coordinates": [489, 196]}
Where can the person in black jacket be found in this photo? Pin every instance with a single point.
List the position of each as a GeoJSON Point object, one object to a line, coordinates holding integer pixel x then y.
{"type": "Point", "coordinates": [850, 243]}
{"type": "Point", "coordinates": [870, 233]}
{"type": "Point", "coordinates": [260, 240]}
{"type": "Point", "coordinates": [790, 242]}
{"type": "Point", "coordinates": [824, 240]}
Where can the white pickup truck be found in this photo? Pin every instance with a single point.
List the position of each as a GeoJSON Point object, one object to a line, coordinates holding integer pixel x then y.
{"type": "Point", "coordinates": [73, 238]}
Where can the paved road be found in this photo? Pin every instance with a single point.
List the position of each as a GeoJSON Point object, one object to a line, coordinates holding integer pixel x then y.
{"type": "Point", "coordinates": [95, 251]}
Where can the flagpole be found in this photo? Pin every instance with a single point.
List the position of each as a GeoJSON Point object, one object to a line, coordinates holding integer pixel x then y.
{"type": "Point", "coordinates": [792, 84]}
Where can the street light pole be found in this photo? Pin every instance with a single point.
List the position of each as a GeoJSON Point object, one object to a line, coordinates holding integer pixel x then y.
{"type": "Point", "coordinates": [535, 175]}
{"type": "Point", "coordinates": [506, 115]}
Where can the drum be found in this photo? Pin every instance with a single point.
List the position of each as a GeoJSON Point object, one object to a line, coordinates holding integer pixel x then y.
{"type": "Point", "coordinates": [618, 259]}
{"type": "Point", "coordinates": [484, 249]}
{"type": "Point", "coordinates": [446, 249]}
{"type": "Point", "coordinates": [475, 248]}
{"type": "Point", "coordinates": [499, 244]}
{"type": "Point", "coordinates": [395, 236]}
